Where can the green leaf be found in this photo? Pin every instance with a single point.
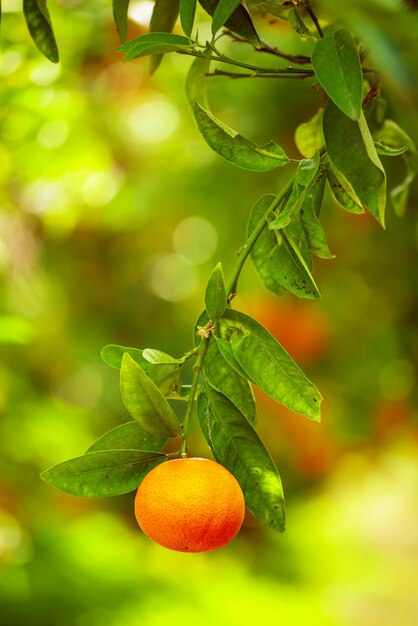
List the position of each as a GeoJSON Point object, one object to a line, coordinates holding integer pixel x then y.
{"type": "Point", "coordinates": [196, 82]}
{"type": "Point", "coordinates": [342, 191]}
{"type": "Point", "coordinates": [151, 49]}
{"type": "Point", "coordinates": [237, 149]}
{"type": "Point", "coordinates": [262, 251]}
{"type": "Point", "coordinates": [39, 24]}
{"type": "Point", "coordinates": [396, 138]}
{"type": "Point", "coordinates": [163, 19]}
{"type": "Point", "coordinates": [228, 381]}
{"type": "Point", "coordinates": [309, 136]}
{"type": "Point", "coordinates": [103, 473]}
{"type": "Point", "coordinates": [311, 225]}
{"type": "Point", "coordinates": [156, 356]}
{"type": "Point", "coordinates": [223, 11]}
{"type": "Point", "coordinates": [385, 150]}
{"type": "Point", "coordinates": [338, 69]}
{"type": "Point", "coordinates": [351, 150]}
{"type": "Point", "coordinates": [145, 402]}
{"type": "Point", "coordinates": [154, 39]}
{"type": "Point", "coordinates": [240, 21]}
{"type": "Point", "coordinates": [129, 436]}
{"type": "Point", "coordinates": [298, 25]}
{"type": "Point", "coordinates": [236, 445]}
{"type": "Point", "coordinates": [187, 15]}
{"type": "Point", "coordinates": [290, 268]}
{"type": "Point", "coordinates": [305, 174]}
{"type": "Point", "coordinates": [225, 349]}
{"type": "Point", "coordinates": [268, 365]}
{"type": "Point", "coordinates": [120, 15]}
{"type": "Point", "coordinates": [112, 355]}
{"type": "Point", "coordinates": [215, 295]}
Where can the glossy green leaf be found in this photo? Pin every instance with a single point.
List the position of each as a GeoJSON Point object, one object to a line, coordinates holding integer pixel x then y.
{"type": "Point", "coordinates": [103, 473]}
{"type": "Point", "coordinates": [163, 19]}
{"type": "Point", "coordinates": [351, 150]}
{"type": "Point", "coordinates": [129, 436]}
{"type": "Point", "coordinates": [385, 150]}
{"type": "Point", "coordinates": [153, 39]}
{"type": "Point", "coordinates": [215, 295]}
{"type": "Point", "coordinates": [112, 355]}
{"type": "Point", "coordinates": [239, 22]}
{"type": "Point", "coordinates": [228, 381]}
{"type": "Point", "coordinates": [309, 137]}
{"type": "Point", "coordinates": [196, 82]}
{"type": "Point", "coordinates": [145, 402]}
{"type": "Point", "coordinates": [290, 267]}
{"type": "Point", "coordinates": [396, 138]}
{"type": "Point", "coordinates": [237, 149]}
{"type": "Point", "coordinates": [311, 225]}
{"type": "Point", "coordinates": [223, 12]}
{"type": "Point", "coordinates": [156, 356]}
{"type": "Point", "coordinates": [151, 49]}
{"type": "Point", "coordinates": [299, 25]}
{"type": "Point", "coordinates": [268, 365]}
{"type": "Point", "coordinates": [39, 24]}
{"type": "Point", "coordinates": [120, 15]}
{"type": "Point", "coordinates": [262, 251]}
{"type": "Point", "coordinates": [305, 175]}
{"type": "Point", "coordinates": [228, 354]}
{"type": "Point", "coordinates": [337, 67]}
{"type": "Point", "coordinates": [236, 445]}
{"type": "Point", "coordinates": [342, 191]}
{"type": "Point", "coordinates": [187, 15]}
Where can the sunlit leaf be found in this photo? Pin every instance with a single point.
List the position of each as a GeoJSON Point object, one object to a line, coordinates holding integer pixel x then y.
{"type": "Point", "coordinates": [351, 150]}
{"type": "Point", "coordinates": [223, 11]}
{"type": "Point", "coordinates": [342, 191]}
{"type": "Point", "coordinates": [39, 24]}
{"type": "Point", "coordinates": [299, 25]}
{"type": "Point", "coordinates": [385, 150]}
{"type": "Point", "coordinates": [289, 264]}
{"type": "Point", "coordinates": [236, 445]}
{"type": "Point", "coordinates": [215, 295]}
{"type": "Point", "coordinates": [129, 436]}
{"type": "Point", "coordinates": [103, 473]}
{"type": "Point", "coordinates": [311, 225]}
{"type": "Point", "coordinates": [309, 136]}
{"type": "Point", "coordinates": [112, 355]}
{"type": "Point", "coordinates": [145, 402]}
{"type": "Point", "coordinates": [262, 251]}
{"type": "Point", "coordinates": [228, 381]}
{"type": "Point", "coordinates": [305, 174]}
{"type": "Point", "coordinates": [156, 356]}
{"type": "Point", "coordinates": [196, 82]}
{"type": "Point", "coordinates": [268, 365]}
{"type": "Point", "coordinates": [337, 67]}
{"type": "Point", "coordinates": [163, 19]}
{"type": "Point", "coordinates": [239, 22]}
{"type": "Point", "coordinates": [187, 14]}
{"type": "Point", "coordinates": [237, 149]}
{"type": "Point", "coordinates": [120, 15]}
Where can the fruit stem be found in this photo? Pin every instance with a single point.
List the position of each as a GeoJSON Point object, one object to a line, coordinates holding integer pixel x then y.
{"type": "Point", "coordinates": [197, 368]}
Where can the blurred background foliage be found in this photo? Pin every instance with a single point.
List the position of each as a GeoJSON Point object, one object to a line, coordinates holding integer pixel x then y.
{"type": "Point", "coordinates": [113, 213]}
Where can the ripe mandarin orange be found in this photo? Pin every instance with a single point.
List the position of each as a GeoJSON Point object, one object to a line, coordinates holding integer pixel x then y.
{"type": "Point", "coordinates": [190, 505]}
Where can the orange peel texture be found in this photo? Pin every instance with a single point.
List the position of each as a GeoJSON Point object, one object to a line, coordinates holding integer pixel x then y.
{"type": "Point", "coordinates": [190, 505]}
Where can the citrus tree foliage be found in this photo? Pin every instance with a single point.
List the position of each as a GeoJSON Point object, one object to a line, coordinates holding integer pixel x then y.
{"type": "Point", "coordinates": [341, 145]}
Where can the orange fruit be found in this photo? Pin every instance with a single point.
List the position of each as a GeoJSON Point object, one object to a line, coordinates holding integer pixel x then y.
{"type": "Point", "coordinates": [190, 505]}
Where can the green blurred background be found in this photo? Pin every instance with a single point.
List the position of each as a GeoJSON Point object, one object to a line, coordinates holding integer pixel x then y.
{"type": "Point", "coordinates": [113, 213]}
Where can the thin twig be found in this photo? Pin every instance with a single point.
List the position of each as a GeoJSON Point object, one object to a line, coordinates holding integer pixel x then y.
{"type": "Point", "coordinates": [235, 75]}
{"type": "Point", "coordinates": [299, 59]}
{"type": "Point", "coordinates": [313, 17]}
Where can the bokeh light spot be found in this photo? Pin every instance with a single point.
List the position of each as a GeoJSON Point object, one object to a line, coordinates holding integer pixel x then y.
{"type": "Point", "coordinates": [173, 277]}
{"type": "Point", "coordinates": [153, 121]}
{"type": "Point", "coordinates": [196, 239]}
{"type": "Point", "coordinates": [53, 134]}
